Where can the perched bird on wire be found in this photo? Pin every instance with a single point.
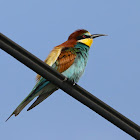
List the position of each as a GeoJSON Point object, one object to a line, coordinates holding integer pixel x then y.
{"type": "Point", "coordinates": [69, 58]}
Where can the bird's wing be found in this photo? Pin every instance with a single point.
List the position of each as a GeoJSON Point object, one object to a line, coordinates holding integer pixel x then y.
{"type": "Point", "coordinates": [51, 59]}
{"type": "Point", "coordinates": [60, 59]}
{"type": "Point", "coordinates": [65, 59]}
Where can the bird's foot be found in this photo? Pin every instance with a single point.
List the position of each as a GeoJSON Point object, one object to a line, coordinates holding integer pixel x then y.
{"type": "Point", "coordinates": [70, 81]}
{"type": "Point", "coordinates": [73, 83]}
{"type": "Point", "coordinates": [65, 79]}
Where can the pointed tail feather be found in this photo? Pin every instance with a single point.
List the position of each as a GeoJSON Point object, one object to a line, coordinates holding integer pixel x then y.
{"type": "Point", "coordinates": [26, 101]}
{"type": "Point", "coordinates": [37, 90]}
{"type": "Point", "coordinates": [9, 117]}
{"type": "Point", "coordinates": [19, 109]}
{"type": "Point", "coordinates": [41, 98]}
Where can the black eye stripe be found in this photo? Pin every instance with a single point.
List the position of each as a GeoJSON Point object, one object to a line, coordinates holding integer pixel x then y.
{"type": "Point", "coordinates": [88, 36]}
{"type": "Point", "coordinates": [83, 37]}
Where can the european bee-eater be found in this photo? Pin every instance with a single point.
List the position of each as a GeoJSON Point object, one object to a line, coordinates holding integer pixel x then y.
{"type": "Point", "coordinates": [69, 58]}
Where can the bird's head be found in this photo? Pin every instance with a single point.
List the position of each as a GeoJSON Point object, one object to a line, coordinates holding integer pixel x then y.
{"type": "Point", "coordinates": [83, 36]}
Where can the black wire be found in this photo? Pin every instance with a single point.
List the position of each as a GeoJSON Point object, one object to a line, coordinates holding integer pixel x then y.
{"type": "Point", "coordinates": [76, 91]}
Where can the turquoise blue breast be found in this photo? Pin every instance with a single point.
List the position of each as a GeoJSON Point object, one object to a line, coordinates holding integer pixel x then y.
{"type": "Point", "coordinates": [75, 71]}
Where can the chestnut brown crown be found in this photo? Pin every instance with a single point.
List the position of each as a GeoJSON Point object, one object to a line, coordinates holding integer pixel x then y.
{"type": "Point", "coordinates": [77, 33]}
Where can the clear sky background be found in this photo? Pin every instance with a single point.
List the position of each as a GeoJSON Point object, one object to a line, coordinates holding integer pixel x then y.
{"type": "Point", "coordinates": [112, 73]}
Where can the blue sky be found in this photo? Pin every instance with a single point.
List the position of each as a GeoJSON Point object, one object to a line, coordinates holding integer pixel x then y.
{"type": "Point", "coordinates": [112, 72]}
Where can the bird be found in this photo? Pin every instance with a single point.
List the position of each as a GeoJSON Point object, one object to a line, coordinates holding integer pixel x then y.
{"type": "Point", "coordinates": [69, 58]}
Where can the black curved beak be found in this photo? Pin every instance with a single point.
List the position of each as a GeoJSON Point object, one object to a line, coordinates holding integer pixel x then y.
{"type": "Point", "coordinates": [97, 35]}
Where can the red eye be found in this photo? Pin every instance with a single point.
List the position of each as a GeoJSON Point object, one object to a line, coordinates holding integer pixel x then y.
{"type": "Point", "coordinates": [84, 36]}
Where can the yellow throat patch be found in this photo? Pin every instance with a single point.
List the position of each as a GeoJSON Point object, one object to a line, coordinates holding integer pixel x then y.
{"type": "Point", "coordinates": [86, 41]}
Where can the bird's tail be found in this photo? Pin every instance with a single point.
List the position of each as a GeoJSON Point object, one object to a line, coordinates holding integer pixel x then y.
{"type": "Point", "coordinates": [41, 98]}
{"type": "Point", "coordinates": [26, 101]}
{"type": "Point", "coordinates": [43, 93]}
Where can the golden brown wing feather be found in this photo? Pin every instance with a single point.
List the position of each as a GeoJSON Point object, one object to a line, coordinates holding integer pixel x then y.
{"type": "Point", "coordinates": [65, 60]}
{"type": "Point", "coordinates": [52, 57]}
{"type": "Point", "coordinates": [56, 52]}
